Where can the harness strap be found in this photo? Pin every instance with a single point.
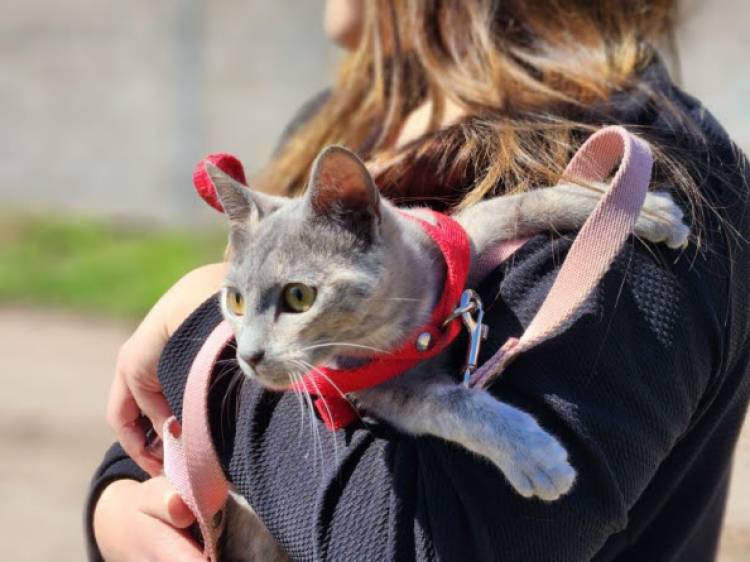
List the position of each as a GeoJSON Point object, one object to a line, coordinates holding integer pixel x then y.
{"type": "Point", "coordinates": [330, 386]}
{"type": "Point", "coordinates": [597, 244]}
{"type": "Point", "coordinates": [190, 460]}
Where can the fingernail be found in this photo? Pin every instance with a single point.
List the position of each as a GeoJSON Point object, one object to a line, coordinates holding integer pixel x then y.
{"type": "Point", "coordinates": [179, 513]}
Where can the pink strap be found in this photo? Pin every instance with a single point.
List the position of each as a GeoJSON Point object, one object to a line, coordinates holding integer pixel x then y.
{"type": "Point", "coordinates": [599, 241]}
{"type": "Point", "coordinates": [190, 460]}
{"type": "Point", "coordinates": [491, 258]}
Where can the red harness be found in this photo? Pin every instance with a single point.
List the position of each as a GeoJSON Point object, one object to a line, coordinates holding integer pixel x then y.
{"type": "Point", "coordinates": [330, 386]}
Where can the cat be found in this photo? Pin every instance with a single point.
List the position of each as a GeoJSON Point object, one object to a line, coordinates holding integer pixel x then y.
{"type": "Point", "coordinates": [334, 276]}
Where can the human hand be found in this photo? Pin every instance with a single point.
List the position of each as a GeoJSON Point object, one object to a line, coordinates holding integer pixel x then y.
{"type": "Point", "coordinates": [136, 390]}
{"type": "Point", "coordinates": [136, 521]}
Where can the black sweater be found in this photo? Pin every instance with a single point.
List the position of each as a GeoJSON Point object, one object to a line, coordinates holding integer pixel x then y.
{"type": "Point", "coordinates": [647, 390]}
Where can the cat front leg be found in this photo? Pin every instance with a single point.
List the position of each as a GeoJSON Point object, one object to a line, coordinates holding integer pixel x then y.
{"type": "Point", "coordinates": [660, 219]}
{"type": "Point", "coordinates": [565, 207]}
{"type": "Point", "coordinates": [531, 459]}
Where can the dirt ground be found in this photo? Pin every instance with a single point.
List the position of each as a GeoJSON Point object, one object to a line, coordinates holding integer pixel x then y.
{"type": "Point", "coordinates": [55, 370]}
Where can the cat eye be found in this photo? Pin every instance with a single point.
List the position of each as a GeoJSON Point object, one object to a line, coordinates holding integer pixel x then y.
{"type": "Point", "coordinates": [235, 302]}
{"type": "Point", "coordinates": [298, 297]}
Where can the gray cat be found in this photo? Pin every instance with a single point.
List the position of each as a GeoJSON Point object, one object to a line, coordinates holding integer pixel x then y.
{"type": "Point", "coordinates": [338, 275]}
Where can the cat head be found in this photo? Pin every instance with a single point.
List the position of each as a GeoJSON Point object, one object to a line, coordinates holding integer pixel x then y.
{"type": "Point", "coordinates": [311, 278]}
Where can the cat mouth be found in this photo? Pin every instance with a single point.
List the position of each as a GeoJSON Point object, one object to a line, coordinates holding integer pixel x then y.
{"type": "Point", "coordinates": [283, 380]}
{"type": "Point", "coordinates": [271, 382]}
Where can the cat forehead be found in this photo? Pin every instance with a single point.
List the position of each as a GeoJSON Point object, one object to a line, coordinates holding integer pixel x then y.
{"type": "Point", "coordinates": [294, 229]}
{"type": "Point", "coordinates": [291, 240]}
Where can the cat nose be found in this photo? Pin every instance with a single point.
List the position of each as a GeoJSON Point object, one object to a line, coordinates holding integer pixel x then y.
{"type": "Point", "coordinates": [255, 358]}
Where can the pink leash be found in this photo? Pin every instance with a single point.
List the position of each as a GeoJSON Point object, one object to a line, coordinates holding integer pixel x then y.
{"type": "Point", "coordinates": [190, 460]}
{"type": "Point", "coordinates": [191, 463]}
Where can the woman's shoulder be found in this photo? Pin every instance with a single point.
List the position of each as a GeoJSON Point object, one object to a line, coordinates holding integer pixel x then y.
{"type": "Point", "coordinates": [654, 302]}
{"type": "Point", "coordinates": [715, 269]}
{"type": "Point", "coordinates": [659, 106]}
{"type": "Point", "coordinates": [665, 114]}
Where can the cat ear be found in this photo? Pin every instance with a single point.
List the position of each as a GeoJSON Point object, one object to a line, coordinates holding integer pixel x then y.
{"type": "Point", "coordinates": [342, 189]}
{"type": "Point", "coordinates": [243, 206]}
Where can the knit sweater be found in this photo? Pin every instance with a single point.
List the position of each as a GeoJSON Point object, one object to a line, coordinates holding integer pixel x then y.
{"type": "Point", "coordinates": [647, 390]}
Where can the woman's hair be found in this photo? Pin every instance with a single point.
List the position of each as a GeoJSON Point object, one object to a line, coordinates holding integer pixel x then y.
{"type": "Point", "coordinates": [533, 79]}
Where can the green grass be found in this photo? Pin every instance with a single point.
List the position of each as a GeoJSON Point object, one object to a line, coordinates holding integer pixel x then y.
{"type": "Point", "coordinates": [89, 265]}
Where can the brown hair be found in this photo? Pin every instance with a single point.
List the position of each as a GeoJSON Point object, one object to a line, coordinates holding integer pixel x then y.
{"type": "Point", "coordinates": [523, 72]}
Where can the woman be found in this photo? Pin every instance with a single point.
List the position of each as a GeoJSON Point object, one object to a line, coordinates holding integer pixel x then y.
{"type": "Point", "coordinates": [451, 102]}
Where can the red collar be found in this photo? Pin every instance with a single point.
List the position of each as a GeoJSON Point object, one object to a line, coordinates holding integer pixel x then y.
{"type": "Point", "coordinates": [328, 385]}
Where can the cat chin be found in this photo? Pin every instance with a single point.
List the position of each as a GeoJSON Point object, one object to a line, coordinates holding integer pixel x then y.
{"type": "Point", "coordinates": [274, 385]}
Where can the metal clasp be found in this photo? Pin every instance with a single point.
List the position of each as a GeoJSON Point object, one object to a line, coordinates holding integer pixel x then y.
{"type": "Point", "coordinates": [472, 314]}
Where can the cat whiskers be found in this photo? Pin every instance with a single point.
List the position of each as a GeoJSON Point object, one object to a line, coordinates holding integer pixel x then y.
{"type": "Point", "coordinates": [330, 416]}
{"type": "Point", "coordinates": [296, 378]}
{"type": "Point", "coordinates": [229, 366]}
{"type": "Point", "coordinates": [293, 378]}
{"type": "Point", "coordinates": [343, 344]}
{"type": "Point", "coordinates": [397, 299]}
{"type": "Point", "coordinates": [337, 389]}
{"type": "Point", "coordinates": [310, 367]}
{"type": "Point", "coordinates": [314, 430]}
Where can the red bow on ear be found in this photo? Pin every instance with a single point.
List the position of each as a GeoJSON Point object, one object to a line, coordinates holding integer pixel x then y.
{"type": "Point", "coordinates": [228, 164]}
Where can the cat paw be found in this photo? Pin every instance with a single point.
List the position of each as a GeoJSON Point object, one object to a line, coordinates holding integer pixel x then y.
{"type": "Point", "coordinates": [661, 220]}
{"type": "Point", "coordinates": [546, 479]}
{"type": "Point", "coordinates": [537, 465]}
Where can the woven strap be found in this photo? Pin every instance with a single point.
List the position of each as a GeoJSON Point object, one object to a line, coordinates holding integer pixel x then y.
{"type": "Point", "coordinates": [598, 242]}
{"type": "Point", "coordinates": [190, 460]}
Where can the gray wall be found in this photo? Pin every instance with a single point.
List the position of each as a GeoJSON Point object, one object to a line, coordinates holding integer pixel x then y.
{"type": "Point", "coordinates": [105, 106]}
{"type": "Point", "coordinates": [714, 45]}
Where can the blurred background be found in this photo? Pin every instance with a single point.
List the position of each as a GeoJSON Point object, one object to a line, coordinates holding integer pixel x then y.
{"type": "Point", "coordinates": [106, 107]}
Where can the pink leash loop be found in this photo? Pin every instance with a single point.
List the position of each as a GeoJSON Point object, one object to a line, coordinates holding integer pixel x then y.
{"type": "Point", "coordinates": [190, 460]}
{"type": "Point", "coordinates": [598, 242]}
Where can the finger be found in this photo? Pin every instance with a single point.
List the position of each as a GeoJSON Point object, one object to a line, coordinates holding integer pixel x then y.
{"type": "Point", "coordinates": [176, 544]}
{"type": "Point", "coordinates": [123, 416]}
{"type": "Point", "coordinates": [124, 532]}
{"type": "Point", "coordinates": [160, 542]}
{"type": "Point", "coordinates": [154, 406]}
{"type": "Point", "coordinates": [160, 500]}
{"type": "Point", "coordinates": [122, 409]}
{"type": "Point", "coordinates": [136, 367]}
{"type": "Point", "coordinates": [132, 438]}
{"type": "Point", "coordinates": [179, 514]}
